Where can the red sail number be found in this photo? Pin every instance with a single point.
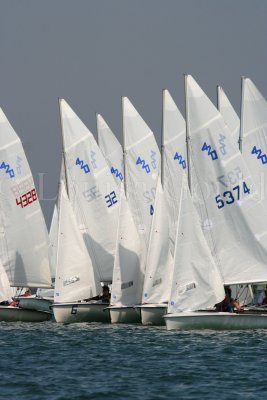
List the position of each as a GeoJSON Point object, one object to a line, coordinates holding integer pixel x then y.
{"type": "Point", "coordinates": [26, 198]}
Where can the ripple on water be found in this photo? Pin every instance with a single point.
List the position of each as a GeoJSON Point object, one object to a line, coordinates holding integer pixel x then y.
{"type": "Point", "coordinates": [94, 361]}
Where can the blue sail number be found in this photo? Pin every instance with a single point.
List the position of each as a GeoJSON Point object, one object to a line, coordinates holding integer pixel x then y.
{"type": "Point", "coordinates": [111, 199]}
{"type": "Point", "coordinates": [228, 195]}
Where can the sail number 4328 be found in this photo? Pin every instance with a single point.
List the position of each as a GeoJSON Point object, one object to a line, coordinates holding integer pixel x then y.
{"type": "Point", "coordinates": [229, 196]}
{"type": "Point", "coordinates": [26, 198]}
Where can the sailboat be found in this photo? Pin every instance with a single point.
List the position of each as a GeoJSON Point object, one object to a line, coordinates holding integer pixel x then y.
{"type": "Point", "coordinates": [23, 237]}
{"type": "Point", "coordinates": [159, 265]}
{"type": "Point", "coordinates": [76, 277]}
{"type": "Point", "coordinates": [196, 281]}
{"type": "Point", "coordinates": [243, 293]}
{"type": "Point", "coordinates": [236, 229]}
{"type": "Point", "coordinates": [141, 169]}
{"type": "Point", "coordinates": [128, 272]}
{"type": "Point", "coordinates": [94, 198]}
{"type": "Point", "coordinates": [92, 191]}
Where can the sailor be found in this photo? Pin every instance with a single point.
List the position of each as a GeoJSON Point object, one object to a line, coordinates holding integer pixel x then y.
{"type": "Point", "coordinates": [228, 304]}
{"type": "Point", "coordinates": [105, 297]}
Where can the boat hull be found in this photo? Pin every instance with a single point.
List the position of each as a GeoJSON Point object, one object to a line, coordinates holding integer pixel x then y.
{"type": "Point", "coordinates": [81, 312]}
{"type": "Point", "coordinates": [16, 314]}
{"type": "Point", "coordinates": [215, 321]}
{"type": "Point", "coordinates": [152, 314]}
{"type": "Point", "coordinates": [35, 303]}
{"type": "Point", "coordinates": [125, 315]}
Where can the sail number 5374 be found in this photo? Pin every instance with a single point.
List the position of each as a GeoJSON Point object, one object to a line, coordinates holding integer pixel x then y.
{"type": "Point", "coordinates": [229, 196]}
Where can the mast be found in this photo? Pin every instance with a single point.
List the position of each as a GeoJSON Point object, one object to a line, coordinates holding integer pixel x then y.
{"type": "Point", "coordinates": [187, 132]}
{"type": "Point", "coordinates": [63, 150]}
{"type": "Point", "coordinates": [123, 148]}
{"type": "Point", "coordinates": [242, 113]}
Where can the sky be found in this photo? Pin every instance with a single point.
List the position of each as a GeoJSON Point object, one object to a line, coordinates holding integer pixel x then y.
{"type": "Point", "coordinates": [92, 52]}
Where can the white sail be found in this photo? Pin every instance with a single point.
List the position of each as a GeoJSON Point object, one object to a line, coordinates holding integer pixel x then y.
{"type": "Point", "coordinates": [75, 276]}
{"type": "Point", "coordinates": [24, 244]}
{"type": "Point", "coordinates": [159, 263]}
{"type": "Point", "coordinates": [6, 292]}
{"type": "Point", "coordinates": [111, 148]}
{"type": "Point", "coordinates": [254, 135]}
{"type": "Point", "coordinates": [128, 273]}
{"type": "Point", "coordinates": [142, 166]}
{"type": "Point", "coordinates": [174, 158]}
{"type": "Point", "coordinates": [235, 223]}
{"type": "Point", "coordinates": [92, 190]}
{"type": "Point", "coordinates": [228, 113]}
{"type": "Point", "coordinates": [196, 283]}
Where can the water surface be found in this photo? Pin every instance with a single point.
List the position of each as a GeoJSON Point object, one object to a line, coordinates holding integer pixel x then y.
{"type": "Point", "coordinates": [96, 361]}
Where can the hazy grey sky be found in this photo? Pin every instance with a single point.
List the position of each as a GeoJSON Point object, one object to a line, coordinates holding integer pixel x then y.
{"type": "Point", "coordinates": [92, 52]}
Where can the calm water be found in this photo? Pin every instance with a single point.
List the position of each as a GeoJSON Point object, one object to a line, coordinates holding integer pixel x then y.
{"type": "Point", "coordinates": [93, 361]}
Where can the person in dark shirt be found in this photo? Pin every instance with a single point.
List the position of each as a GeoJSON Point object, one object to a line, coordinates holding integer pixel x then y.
{"type": "Point", "coordinates": [105, 296]}
{"type": "Point", "coordinates": [228, 304]}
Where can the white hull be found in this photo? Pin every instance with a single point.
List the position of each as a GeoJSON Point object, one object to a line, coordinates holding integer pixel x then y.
{"type": "Point", "coordinates": [215, 320]}
{"type": "Point", "coordinates": [125, 315]}
{"type": "Point", "coordinates": [16, 314]}
{"type": "Point", "coordinates": [255, 310]}
{"type": "Point", "coordinates": [152, 314]}
{"type": "Point", "coordinates": [81, 312]}
{"type": "Point", "coordinates": [35, 303]}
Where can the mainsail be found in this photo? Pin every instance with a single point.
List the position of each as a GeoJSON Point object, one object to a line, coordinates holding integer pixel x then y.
{"type": "Point", "coordinates": [24, 238]}
{"type": "Point", "coordinates": [111, 148]}
{"type": "Point", "coordinates": [92, 190]}
{"type": "Point", "coordinates": [234, 220]}
{"type": "Point", "coordinates": [142, 167]}
{"type": "Point", "coordinates": [75, 276]}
